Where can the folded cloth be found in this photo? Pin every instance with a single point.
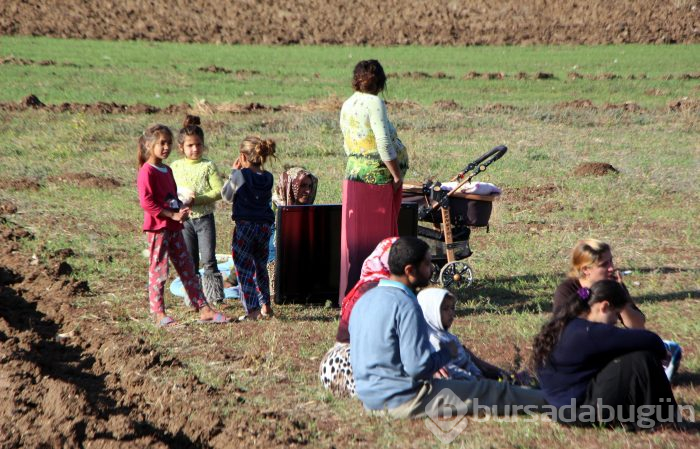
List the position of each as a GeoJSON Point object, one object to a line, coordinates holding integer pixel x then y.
{"type": "Point", "coordinates": [177, 289]}
{"type": "Point", "coordinates": [476, 188]}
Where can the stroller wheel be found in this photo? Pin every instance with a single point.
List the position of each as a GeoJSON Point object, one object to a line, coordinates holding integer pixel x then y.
{"type": "Point", "coordinates": [457, 274]}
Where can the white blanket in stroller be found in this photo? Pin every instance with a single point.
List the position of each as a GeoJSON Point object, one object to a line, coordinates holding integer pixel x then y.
{"type": "Point", "coordinates": [476, 188]}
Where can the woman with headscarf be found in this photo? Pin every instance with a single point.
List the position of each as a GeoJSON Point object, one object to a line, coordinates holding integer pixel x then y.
{"type": "Point", "coordinates": [296, 186]}
{"type": "Point", "coordinates": [335, 371]}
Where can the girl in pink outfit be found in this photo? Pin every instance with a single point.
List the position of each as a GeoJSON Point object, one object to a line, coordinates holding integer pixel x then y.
{"type": "Point", "coordinates": [163, 215]}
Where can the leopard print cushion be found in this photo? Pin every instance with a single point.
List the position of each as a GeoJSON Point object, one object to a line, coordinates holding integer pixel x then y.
{"type": "Point", "coordinates": [335, 371]}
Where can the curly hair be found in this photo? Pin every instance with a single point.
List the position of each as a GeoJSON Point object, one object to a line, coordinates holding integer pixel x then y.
{"type": "Point", "coordinates": [258, 150]}
{"type": "Point", "coordinates": [577, 304]}
{"type": "Point", "coordinates": [368, 77]}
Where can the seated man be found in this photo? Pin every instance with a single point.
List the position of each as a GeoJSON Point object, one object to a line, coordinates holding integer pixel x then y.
{"type": "Point", "coordinates": [391, 356]}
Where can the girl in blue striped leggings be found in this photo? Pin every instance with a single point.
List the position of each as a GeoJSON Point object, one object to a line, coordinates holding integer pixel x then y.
{"type": "Point", "coordinates": [249, 188]}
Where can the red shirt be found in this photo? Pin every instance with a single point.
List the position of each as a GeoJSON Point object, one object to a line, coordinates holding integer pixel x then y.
{"type": "Point", "coordinates": [156, 189]}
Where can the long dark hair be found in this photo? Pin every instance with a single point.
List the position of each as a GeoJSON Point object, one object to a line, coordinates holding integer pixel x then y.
{"type": "Point", "coordinates": [148, 139]}
{"type": "Point", "coordinates": [577, 304]}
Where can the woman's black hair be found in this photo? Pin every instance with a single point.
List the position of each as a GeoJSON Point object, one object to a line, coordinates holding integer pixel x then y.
{"type": "Point", "coordinates": [577, 304]}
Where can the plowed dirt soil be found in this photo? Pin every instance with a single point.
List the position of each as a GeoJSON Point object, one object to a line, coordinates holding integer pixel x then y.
{"type": "Point", "coordinates": [389, 22]}
{"type": "Point", "coordinates": [70, 379]}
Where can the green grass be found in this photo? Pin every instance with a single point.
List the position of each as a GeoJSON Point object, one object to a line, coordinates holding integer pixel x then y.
{"type": "Point", "coordinates": [167, 73]}
{"type": "Point", "coordinates": [648, 211]}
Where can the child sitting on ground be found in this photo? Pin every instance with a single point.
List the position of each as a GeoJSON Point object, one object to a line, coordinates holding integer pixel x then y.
{"type": "Point", "coordinates": [439, 311]}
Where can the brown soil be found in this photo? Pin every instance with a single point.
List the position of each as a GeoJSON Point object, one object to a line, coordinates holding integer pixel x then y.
{"type": "Point", "coordinates": [22, 61]}
{"type": "Point", "coordinates": [78, 179]}
{"type": "Point", "coordinates": [628, 106]}
{"type": "Point", "coordinates": [365, 22]}
{"type": "Point", "coordinates": [498, 108]}
{"type": "Point", "coordinates": [489, 76]}
{"type": "Point", "coordinates": [534, 198]}
{"type": "Point", "coordinates": [72, 379]}
{"type": "Point", "coordinates": [32, 102]}
{"type": "Point", "coordinates": [19, 184]}
{"type": "Point", "coordinates": [446, 105]}
{"type": "Point", "coordinates": [528, 194]}
{"type": "Point", "coordinates": [240, 74]}
{"type": "Point", "coordinates": [403, 105]}
{"type": "Point", "coordinates": [655, 92]}
{"type": "Point", "coordinates": [594, 169]}
{"type": "Point", "coordinates": [214, 69]}
{"type": "Point", "coordinates": [420, 75]}
{"type": "Point", "coordinates": [86, 180]}
{"type": "Point", "coordinates": [8, 208]}
{"type": "Point", "coordinates": [576, 104]}
{"type": "Point", "coordinates": [684, 104]}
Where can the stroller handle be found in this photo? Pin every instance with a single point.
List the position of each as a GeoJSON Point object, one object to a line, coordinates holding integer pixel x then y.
{"type": "Point", "coordinates": [494, 154]}
{"type": "Point", "coordinates": [483, 161]}
{"type": "Point", "coordinates": [497, 153]}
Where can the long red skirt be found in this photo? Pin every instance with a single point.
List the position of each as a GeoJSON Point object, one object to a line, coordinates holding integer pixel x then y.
{"type": "Point", "coordinates": [370, 214]}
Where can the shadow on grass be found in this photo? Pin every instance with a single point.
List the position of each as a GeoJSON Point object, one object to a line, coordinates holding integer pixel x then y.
{"type": "Point", "coordinates": [530, 293]}
{"type": "Point", "coordinates": [312, 318]}
{"type": "Point", "coordinates": [534, 293]}
{"type": "Point", "coordinates": [673, 296]}
{"type": "Point", "coordinates": [307, 312]}
{"type": "Point", "coordinates": [686, 379]}
{"type": "Point", "coordinates": [662, 270]}
{"type": "Point", "coordinates": [527, 293]}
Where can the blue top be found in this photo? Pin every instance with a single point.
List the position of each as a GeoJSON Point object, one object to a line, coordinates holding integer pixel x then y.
{"type": "Point", "coordinates": [584, 348]}
{"type": "Point", "coordinates": [253, 198]}
{"type": "Point", "coordinates": [390, 352]}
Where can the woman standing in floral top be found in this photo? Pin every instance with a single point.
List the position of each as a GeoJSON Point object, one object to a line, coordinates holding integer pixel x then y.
{"type": "Point", "coordinates": [377, 164]}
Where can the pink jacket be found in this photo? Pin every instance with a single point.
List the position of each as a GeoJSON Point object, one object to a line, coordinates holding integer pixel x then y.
{"type": "Point", "coordinates": [155, 190]}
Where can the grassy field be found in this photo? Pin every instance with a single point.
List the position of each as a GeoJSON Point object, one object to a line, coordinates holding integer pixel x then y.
{"type": "Point", "coordinates": [167, 73]}
{"type": "Point", "coordinates": [648, 211]}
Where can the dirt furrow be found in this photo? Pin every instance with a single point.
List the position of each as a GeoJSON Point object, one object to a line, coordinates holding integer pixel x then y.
{"type": "Point", "coordinates": [73, 381]}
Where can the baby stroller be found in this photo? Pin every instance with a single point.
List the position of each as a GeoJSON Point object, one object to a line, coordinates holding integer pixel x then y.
{"type": "Point", "coordinates": [438, 206]}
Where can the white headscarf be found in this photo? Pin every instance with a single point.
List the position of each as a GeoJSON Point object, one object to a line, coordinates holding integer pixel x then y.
{"type": "Point", "coordinates": [430, 300]}
{"type": "Point", "coordinates": [462, 366]}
